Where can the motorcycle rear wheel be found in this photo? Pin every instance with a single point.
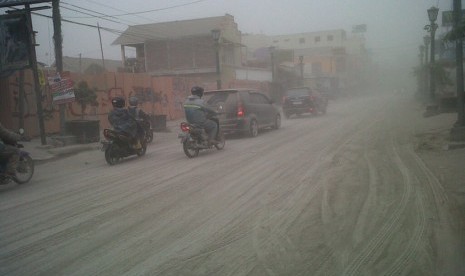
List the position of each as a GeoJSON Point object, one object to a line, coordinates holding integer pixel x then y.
{"type": "Point", "coordinates": [149, 136]}
{"type": "Point", "coordinates": [111, 155]}
{"type": "Point", "coordinates": [25, 170]}
{"type": "Point", "coordinates": [189, 151]}
{"type": "Point", "coordinates": [221, 139]}
{"type": "Point", "coordinates": [141, 151]}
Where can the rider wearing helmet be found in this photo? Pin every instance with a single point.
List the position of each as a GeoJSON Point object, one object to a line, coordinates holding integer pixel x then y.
{"type": "Point", "coordinates": [134, 111]}
{"type": "Point", "coordinates": [197, 113]}
{"type": "Point", "coordinates": [122, 121]}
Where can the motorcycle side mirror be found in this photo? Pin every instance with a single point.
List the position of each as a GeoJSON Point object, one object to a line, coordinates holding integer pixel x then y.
{"type": "Point", "coordinates": [21, 131]}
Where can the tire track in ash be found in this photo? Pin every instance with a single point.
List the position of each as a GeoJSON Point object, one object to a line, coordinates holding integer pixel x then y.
{"type": "Point", "coordinates": [379, 241]}
{"type": "Point", "coordinates": [278, 224]}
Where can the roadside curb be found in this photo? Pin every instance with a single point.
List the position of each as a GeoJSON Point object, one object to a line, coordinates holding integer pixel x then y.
{"type": "Point", "coordinates": [53, 154]}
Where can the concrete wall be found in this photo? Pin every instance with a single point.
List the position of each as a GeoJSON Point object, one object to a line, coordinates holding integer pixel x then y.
{"type": "Point", "coordinates": [158, 96]}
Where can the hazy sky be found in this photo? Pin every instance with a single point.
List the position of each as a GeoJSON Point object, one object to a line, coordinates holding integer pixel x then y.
{"type": "Point", "coordinates": [395, 27]}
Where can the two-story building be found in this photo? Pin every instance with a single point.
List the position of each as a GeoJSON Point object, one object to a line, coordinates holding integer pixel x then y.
{"type": "Point", "coordinates": [184, 48]}
{"type": "Point", "coordinates": [324, 58]}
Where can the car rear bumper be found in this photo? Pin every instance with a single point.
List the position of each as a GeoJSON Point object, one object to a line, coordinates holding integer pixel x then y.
{"type": "Point", "coordinates": [235, 126]}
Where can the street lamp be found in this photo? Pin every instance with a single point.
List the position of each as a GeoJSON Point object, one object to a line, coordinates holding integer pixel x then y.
{"type": "Point", "coordinates": [301, 62]}
{"type": "Point", "coordinates": [427, 42]}
{"type": "Point", "coordinates": [432, 15]}
{"type": "Point", "coordinates": [216, 33]}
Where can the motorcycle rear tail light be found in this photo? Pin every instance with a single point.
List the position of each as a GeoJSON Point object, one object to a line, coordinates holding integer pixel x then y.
{"type": "Point", "coordinates": [185, 127]}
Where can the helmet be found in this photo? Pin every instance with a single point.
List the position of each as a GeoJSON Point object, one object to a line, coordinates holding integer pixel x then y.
{"type": "Point", "coordinates": [118, 102]}
{"type": "Point", "coordinates": [197, 90]}
{"type": "Point", "coordinates": [133, 101]}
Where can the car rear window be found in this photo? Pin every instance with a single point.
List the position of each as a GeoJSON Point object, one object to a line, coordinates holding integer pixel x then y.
{"type": "Point", "coordinates": [227, 99]}
{"type": "Point", "coordinates": [300, 92]}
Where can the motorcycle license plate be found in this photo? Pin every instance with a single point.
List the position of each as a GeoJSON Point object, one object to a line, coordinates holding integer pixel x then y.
{"type": "Point", "coordinates": [297, 102]}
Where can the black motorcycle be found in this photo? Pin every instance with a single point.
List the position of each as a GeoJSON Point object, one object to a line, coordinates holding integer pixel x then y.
{"type": "Point", "coordinates": [119, 145]}
{"type": "Point", "coordinates": [148, 130]}
{"type": "Point", "coordinates": [24, 170]}
{"type": "Point", "coordinates": [194, 138]}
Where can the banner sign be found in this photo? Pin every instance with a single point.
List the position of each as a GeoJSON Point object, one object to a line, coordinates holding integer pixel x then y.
{"type": "Point", "coordinates": [14, 42]}
{"type": "Point", "coordinates": [448, 18]}
{"type": "Point", "coordinates": [62, 90]}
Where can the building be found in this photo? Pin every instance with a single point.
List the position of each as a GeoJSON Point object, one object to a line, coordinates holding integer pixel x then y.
{"type": "Point", "coordinates": [323, 59]}
{"type": "Point", "coordinates": [184, 48]}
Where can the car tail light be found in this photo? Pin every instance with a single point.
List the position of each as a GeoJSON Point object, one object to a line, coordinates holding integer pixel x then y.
{"type": "Point", "coordinates": [240, 110]}
{"type": "Point", "coordinates": [185, 127]}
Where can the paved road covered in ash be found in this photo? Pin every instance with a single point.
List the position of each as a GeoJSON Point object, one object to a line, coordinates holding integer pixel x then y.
{"type": "Point", "coordinates": [341, 194]}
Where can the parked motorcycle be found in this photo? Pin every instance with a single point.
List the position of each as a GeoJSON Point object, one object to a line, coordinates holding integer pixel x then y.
{"type": "Point", "coordinates": [24, 170]}
{"type": "Point", "coordinates": [194, 138]}
{"type": "Point", "coordinates": [119, 145]}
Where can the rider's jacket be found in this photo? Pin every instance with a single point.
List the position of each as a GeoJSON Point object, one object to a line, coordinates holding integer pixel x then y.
{"type": "Point", "coordinates": [137, 113]}
{"type": "Point", "coordinates": [196, 111]}
{"type": "Point", "coordinates": [122, 121]}
{"type": "Point", "coordinates": [7, 136]}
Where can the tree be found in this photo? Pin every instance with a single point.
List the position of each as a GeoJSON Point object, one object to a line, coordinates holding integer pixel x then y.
{"type": "Point", "coordinates": [85, 96]}
{"type": "Point", "coordinates": [94, 69]}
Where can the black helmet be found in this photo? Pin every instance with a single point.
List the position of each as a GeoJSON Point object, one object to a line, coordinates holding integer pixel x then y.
{"type": "Point", "coordinates": [117, 102]}
{"type": "Point", "coordinates": [197, 90]}
{"type": "Point", "coordinates": [133, 101]}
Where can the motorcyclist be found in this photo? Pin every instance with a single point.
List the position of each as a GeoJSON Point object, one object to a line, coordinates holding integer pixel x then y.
{"type": "Point", "coordinates": [138, 114]}
{"type": "Point", "coordinates": [122, 121]}
{"type": "Point", "coordinates": [198, 113]}
{"type": "Point", "coordinates": [7, 151]}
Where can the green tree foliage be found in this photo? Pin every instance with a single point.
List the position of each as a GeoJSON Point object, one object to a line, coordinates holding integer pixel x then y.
{"type": "Point", "coordinates": [85, 96]}
{"type": "Point", "coordinates": [94, 69]}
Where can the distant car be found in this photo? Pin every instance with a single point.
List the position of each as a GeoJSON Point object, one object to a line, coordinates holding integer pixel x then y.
{"type": "Point", "coordinates": [300, 100]}
{"type": "Point", "coordinates": [243, 111]}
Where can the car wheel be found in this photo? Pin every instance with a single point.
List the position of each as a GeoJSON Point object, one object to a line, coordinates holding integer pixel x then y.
{"type": "Point", "coordinates": [277, 122]}
{"type": "Point", "coordinates": [253, 128]}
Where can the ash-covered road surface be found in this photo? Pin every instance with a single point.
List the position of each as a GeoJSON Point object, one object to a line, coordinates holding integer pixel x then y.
{"type": "Point", "coordinates": [341, 194]}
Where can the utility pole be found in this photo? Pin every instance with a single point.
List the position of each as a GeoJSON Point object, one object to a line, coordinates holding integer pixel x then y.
{"type": "Point", "coordinates": [33, 62]}
{"type": "Point", "coordinates": [101, 48]}
{"type": "Point", "coordinates": [58, 41]}
{"type": "Point", "coordinates": [458, 131]}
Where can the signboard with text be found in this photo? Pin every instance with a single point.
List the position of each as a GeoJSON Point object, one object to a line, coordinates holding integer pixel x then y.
{"type": "Point", "coordinates": [62, 90]}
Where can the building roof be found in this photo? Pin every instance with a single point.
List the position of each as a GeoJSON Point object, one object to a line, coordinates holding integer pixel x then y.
{"type": "Point", "coordinates": [72, 64]}
{"type": "Point", "coordinates": [168, 30]}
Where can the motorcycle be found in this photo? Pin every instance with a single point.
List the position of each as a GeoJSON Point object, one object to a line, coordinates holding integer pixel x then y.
{"type": "Point", "coordinates": [148, 130]}
{"type": "Point", "coordinates": [194, 138]}
{"type": "Point", "coordinates": [119, 145]}
{"type": "Point", "coordinates": [24, 170]}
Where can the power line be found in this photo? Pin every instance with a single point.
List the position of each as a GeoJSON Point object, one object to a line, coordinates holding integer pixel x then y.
{"type": "Point", "coordinates": [155, 10]}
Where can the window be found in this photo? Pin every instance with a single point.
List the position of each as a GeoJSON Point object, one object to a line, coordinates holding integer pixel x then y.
{"type": "Point", "coordinates": [317, 39]}
{"type": "Point", "coordinates": [330, 37]}
{"type": "Point", "coordinates": [302, 40]}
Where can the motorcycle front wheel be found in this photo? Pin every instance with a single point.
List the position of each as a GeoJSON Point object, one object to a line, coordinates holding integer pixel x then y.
{"type": "Point", "coordinates": [25, 170]}
{"type": "Point", "coordinates": [111, 155]}
{"type": "Point", "coordinates": [190, 151]}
